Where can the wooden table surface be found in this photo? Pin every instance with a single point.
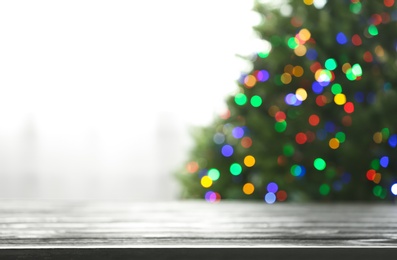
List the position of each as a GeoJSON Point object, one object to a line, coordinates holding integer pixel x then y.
{"type": "Point", "coordinates": [195, 230]}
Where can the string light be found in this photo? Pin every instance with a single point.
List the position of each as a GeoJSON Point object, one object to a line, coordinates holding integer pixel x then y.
{"type": "Point", "coordinates": [331, 83]}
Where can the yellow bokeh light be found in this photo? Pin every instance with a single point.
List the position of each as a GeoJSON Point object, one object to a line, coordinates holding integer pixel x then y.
{"type": "Point", "coordinates": [334, 143]}
{"type": "Point", "coordinates": [323, 75]}
{"type": "Point", "coordinates": [301, 94]}
{"type": "Point", "coordinates": [250, 81]}
{"type": "Point", "coordinates": [206, 182]}
{"type": "Point", "coordinates": [286, 78]}
{"type": "Point", "coordinates": [379, 51]}
{"type": "Point", "coordinates": [248, 188]}
{"type": "Point", "coordinates": [377, 137]}
{"type": "Point", "coordinates": [377, 178]}
{"type": "Point", "coordinates": [345, 67]}
{"type": "Point", "coordinates": [300, 50]}
{"type": "Point", "coordinates": [304, 34]}
{"type": "Point", "coordinates": [249, 161]}
{"type": "Point", "coordinates": [340, 99]}
{"type": "Point", "coordinates": [308, 2]}
{"type": "Point", "coordinates": [273, 110]}
{"type": "Point", "coordinates": [297, 71]}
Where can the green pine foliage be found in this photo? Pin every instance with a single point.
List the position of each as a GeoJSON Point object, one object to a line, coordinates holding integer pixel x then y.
{"type": "Point", "coordinates": [316, 118]}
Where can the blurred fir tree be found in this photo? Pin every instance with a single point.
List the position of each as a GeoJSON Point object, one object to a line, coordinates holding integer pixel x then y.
{"type": "Point", "coordinates": [316, 118]}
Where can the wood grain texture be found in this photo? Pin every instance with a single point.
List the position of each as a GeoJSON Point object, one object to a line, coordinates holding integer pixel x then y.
{"type": "Point", "coordinates": [31, 226]}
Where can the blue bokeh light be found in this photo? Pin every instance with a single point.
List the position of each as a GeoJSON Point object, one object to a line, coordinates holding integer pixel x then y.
{"type": "Point", "coordinates": [270, 198]}
{"type": "Point", "coordinates": [227, 150]}
{"type": "Point", "coordinates": [272, 187]}
{"type": "Point", "coordinates": [384, 161]}
{"type": "Point", "coordinates": [393, 140]}
{"type": "Point", "coordinates": [341, 38]}
{"type": "Point", "coordinates": [238, 132]}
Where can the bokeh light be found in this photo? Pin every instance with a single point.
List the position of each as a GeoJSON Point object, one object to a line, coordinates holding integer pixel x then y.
{"type": "Point", "coordinates": [280, 116]}
{"type": "Point", "coordinates": [334, 143]}
{"type": "Point", "coordinates": [249, 81]}
{"type": "Point", "coordinates": [330, 64]}
{"type": "Point", "coordinates": [300, 138]}
{"type": "Point", "coordinates": [280, 126]}
{"type": "Point", "coordinates": [248, 188]}
{"type": "Point", "coordinates": [272, 187]}
{"type": "Point", "coordinates": [270, 198]}
{"type": "Point", "coordinates": [288, 150]}
{"type": "Point", "coordinates": [249, 160]}
{"type": "Point", "coordinates": [340, 99]}
{"type": "Point", "coordinates": [227, 150]}
{"type": "Point", "coordinates": [281, 195]}
{"type": "Point", "coordinates": [219, 138]}
{"type": "Point", "coordinates": [384, 161]}
{"type": "Point", "coordinates": [304, 34]}
{"type": "Point", "coordinates": [246, 142]}
{"type": "Point", "coordinates": [236, 169]}
{"type": "Point", "coordinates": [256, 101]}
{"type": "Point", "coordinates": [394, 189]}
{"type": "Point", "coordinates": [340, 136]}
{"type": "Point", "coordinates": [324, 189]}
{"type": "Point", "coordinates": [301, 94]}
{"type": "Point", "coordinates": [319, 164]}
{"type": "Point", "coordinates": [192, 167]}
{"type": "Point", "coordinates": [393, 140]}
{"type": "Point", "coordinates": [238, 132]}
{"type": "Point", "coordinates": [212, 196]}
{"type": "Point", "coordinates": [298, 170]}
{"type": "Point", "coordinates": [206, 181]}
{"type": "Point", "coordinates": [314, 120]}
{"type": "Point", "coordinates": [214, 174]}
{"type": "Point", "coordinates": [262, 75]}
{"type": "Point", "coordinates": [240, 99]}
{"type": "Point", "coordinates": [349, 107]}
{"type": "Point", "coordinates": [297, 71]}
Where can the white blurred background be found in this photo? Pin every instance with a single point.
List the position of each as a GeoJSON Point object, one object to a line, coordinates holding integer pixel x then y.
{"type": "Point", "coordinates": [96, 97]}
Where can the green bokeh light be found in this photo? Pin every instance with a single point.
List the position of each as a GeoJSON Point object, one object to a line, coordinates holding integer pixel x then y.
{"type": "Point", "coordinates": [319, 164]}
{"type": "Point", "coordinates": [280, 126]}
{"type": "Point", "coordinates": [240, 99]}
{"type": "Point", "coordinates": [385, 133]}
{"type": "Point", "coordinates": [256, 101]}
{"type": "Point", "coordinates": [324, 189]}
{"type": "Point", "coordinates": [236, 169]}
{"type": "Point", "coordinates": [350, 75]}
{"type": "Point", "coordinates": [375, 164]}
{"type": "Point", "coordinates": [377, 190]}
{"type": "Point", "coordinates": [214, 174]}
{"type": "Point", "coordinates": [355, 7]}
{"type": "Point", "coordinates": [383, 194]}
{"type": "Point", "coordinates": [341, 137]}
{"type": "Point", "coordinates": [372, 30]}
{"type": "Point", "coordinates": [295, 170]}
{"type": "Point", "coordinates": [288, 150]}
{"type": "Point", "coordinates": [292, 43]}
{"type": "Point", "coordinates": [330, 64]}
{"type": "Point", "coordinates": [357, 70]}
{"type": "Point", "coordinates": [336, 89]}
{"type": "Point", "coordinates": [263, 55]}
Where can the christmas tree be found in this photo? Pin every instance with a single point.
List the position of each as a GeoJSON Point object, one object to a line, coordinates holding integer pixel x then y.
{"type": "Point", "coordinates": [316, 117]}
